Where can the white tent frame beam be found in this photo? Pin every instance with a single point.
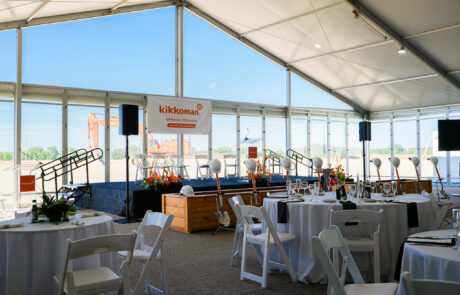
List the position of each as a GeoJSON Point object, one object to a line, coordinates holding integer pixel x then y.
{"type": "Point", "coordinates": [83, 15]}
{"type": "Point", "coordinates": [34, 13]}
{"type": "Point", "coordinates": [365, 12]}
{"type": "Point", "coordinates": [291, 18]}
{"type": "Point", "coordinates": [374, 44]}
{"type": "Point", "coordinates": [116, 6]}
{"type": "Point", "coordinates": [211, 20]}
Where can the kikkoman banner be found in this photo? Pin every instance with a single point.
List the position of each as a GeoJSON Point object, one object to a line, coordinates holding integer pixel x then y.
{"type": "Point", "coordinates": [178, 115]}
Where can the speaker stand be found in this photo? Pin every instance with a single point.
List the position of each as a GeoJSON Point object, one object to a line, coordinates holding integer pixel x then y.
{"type": "Point", "coordinates": [127, 219]}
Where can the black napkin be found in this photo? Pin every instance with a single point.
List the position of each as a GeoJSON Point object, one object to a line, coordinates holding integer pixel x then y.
{"type": "Point", "coordinates": [412, 214]}
{"type": "Point", "coordinates": [349, 205]}
{"type": "Point", "coordinates": [283, 213]}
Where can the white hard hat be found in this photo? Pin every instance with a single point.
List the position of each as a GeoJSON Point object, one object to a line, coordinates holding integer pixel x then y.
{"type": "Point", "coordinates": [187, 191]}
{"type": "Point", "coordinates": [214, 165]}
{"type": "Point", "coordinates": [377, 162]}
{"type": "Point", "coordinates": [286, 163]}
{"type": "Point", "coordinates": [251, 165]}
{"type": "Point", "coordinates": [317, 162]}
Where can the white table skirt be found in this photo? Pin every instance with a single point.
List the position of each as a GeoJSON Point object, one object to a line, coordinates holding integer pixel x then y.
{"type": "Point", "coordinates": [31, 255]}
{"type": "Point", "coordinates": [432, 262]}
{"type": "Point", "coordinates": [308, 219]}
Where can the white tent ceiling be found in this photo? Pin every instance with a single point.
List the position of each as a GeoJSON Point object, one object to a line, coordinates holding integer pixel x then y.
{"type": "Point", "coordinates": [353, 57]}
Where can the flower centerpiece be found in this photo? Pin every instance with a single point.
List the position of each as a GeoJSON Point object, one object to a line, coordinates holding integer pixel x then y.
{"type": "Point", "coordinates": [262, 175]}
{"type": "Point", "coordinates": [157, 181]}
{"type": "Point", "coordinates": [55, 209]}
{"type": "Point", "coordinates": [337, 179]}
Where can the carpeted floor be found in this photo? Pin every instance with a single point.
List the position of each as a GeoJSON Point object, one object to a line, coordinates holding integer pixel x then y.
{"type": "Point", "coordinates": [199, 263]}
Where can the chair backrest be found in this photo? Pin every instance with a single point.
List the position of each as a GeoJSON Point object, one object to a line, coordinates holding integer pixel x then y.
{"type": "Point", "coordinates": [140, 160]}
{"type": "Point", "coordinates": [157, 219]}
{"type": "Point", "coordinates": [445, 215]}
{"type": "Point", "coordinates": [175, 159]}
{"type": "Point", "coordinates": [97, 245]}
{"type": "Point", "coordinates": [237, 200]}
{"type": "Point", "coordinates": [410, 286]}
{"type": "Point", "coordinates": [332, 239]}
{"type": "Point", "coordinates": [229, 157]}
{"type": "Point", "coordinates": [338, 217]}
{"type": "Point", "coordinates": [20, 214]}
{"type": "Point", "coordinates": [201, 157]}
{"type": "Point", "coordinates": [247, 213]}
{"type": "Point", "coordinates": [434, 203]}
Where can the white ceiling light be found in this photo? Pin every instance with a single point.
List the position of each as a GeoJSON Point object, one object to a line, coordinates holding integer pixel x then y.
{"type": "Point", "coordinates": [317, 45]}
{"type": "Point", "coordinates": [402, 50]}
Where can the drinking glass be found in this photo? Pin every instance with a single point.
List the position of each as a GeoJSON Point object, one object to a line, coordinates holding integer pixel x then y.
{"type": "Point", "coordinates": [386, 188]}
{"type": "Point", "coordinates": [373, 186]}
{"type": "Point", "coordinates": [316, 189]}
{"type": "Point", "coordinates": [456, 226]}
{"type": "Point", "coordinates": [298, 184]}
{"type": "Point", "coordinates": [304, 186]}
{"type": "Point", "coordinates": [352, 189]}
{"type": "Point", "coordinates": [311, 188]}
{"type": "Point", "coordinates": [288, 187]}
{"type": "Point", "coordinates": [394, 187]}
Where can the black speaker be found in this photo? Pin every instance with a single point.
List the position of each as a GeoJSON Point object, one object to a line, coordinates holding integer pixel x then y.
{"type": "Point", "coordinates": [129, 119]}
{"type": "Point", "coordinates": [364, 131]}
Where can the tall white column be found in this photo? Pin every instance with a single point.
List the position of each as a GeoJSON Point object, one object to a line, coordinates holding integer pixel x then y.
{"type": "Point", "coordinates": [17, 113]}
{"type": "Point", "coordinates": [107, 137]}
{"type": "Point", "coordinates": [238, 146]}
{"type": "Point", "coordinates": [65, 132]}
{"type": "Point", "coordinates": [288, 110]}
{"type": "Point", "coordinates": [180, 68]}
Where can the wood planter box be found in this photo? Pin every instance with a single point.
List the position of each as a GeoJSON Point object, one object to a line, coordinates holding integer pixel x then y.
{"type": "Point", "coordinates": [198, 213]}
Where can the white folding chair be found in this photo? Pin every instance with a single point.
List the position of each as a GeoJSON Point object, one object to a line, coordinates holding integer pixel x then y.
{"type": "Point", "coordinates": [444, 217]}
{"type": "Point", "coordinates": [231, 161]}
{"type": "Point", "coordinates": [101, 279]}
{"type": "Point", "coordinates": [331, 239]}
{"type": "Point", "coordinates": [269, 238]}
{"type": "Point", "coordinates": [361, 243]}
{"type": "Point", "coordinates": [146, 254]}
{"type": "Point", "coordinates": [142, 165]}
{"type": "Point", "coordinates": [200, 166]}
{"type": "Point", "coordinates": [2, 200]}
{"type": "Point", "coordinates": [160, 163]}
{"type": "Point", "coordinates": [178, 165]}
{"type": "Point", "coordinates": [239, 229]}
{"type": "Point", "coordinates": [409, 286]}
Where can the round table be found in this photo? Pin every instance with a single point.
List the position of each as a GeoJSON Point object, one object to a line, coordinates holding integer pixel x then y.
{"type": "Point", "coordinates": [310, 217]}
{"type": "Point", "coordinates": [31, 255]}
{"type": "Point", "coordinates": [432, 262]}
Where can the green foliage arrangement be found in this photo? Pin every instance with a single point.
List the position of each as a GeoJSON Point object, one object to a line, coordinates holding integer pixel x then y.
{"type": "Point", "coordinates": [54, 209]}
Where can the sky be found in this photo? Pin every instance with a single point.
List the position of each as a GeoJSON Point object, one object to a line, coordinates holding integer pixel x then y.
{"type": "Point", "coordinates": [135, 53]}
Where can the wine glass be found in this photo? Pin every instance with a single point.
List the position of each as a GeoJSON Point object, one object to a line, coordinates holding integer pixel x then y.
{"type": "Point", "coordinates": [304, 186]}
{"type": "Point", "coordinates": [373, 186]}
{"type": "Point", "coordinates": [386, 188]}
{"type": "Point", "coordinates": [352, 189]}
{"type": "Point", "coordinates": [394, 187]}
{"type": "Point", "coordinates": [298, 184]}
{"type": "Point", "coordinates": [456, 226]}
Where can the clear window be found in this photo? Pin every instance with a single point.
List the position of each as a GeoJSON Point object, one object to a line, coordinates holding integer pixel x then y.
{"type": "Point", "coordinates": [8, 56]}
{"type": "Point", "coordinates": [6, 145]}
{"type": "Point", "coordinates": [218, 67]}
{"type": "Point", "coordinates": [131, 52]}
{"type": "Point", "coordinates": [380, 147]}
{"type": "Point", "coordinates": [250, 136]}
{"type": "Point", "coordinates": [405, 141]}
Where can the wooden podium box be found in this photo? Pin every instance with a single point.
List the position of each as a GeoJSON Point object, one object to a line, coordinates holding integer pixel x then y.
{"type": "Point", "coordinates": [198, 213]}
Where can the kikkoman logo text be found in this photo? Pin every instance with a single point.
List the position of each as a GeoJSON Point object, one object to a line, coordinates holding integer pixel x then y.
{"type": "Point", "coordinates": [178, 111]}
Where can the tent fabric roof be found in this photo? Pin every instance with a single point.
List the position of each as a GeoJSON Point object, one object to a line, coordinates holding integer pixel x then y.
{"type": "Point", "coordinates": [351, 54]}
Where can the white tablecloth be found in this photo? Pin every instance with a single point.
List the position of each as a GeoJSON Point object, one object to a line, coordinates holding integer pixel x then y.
{"type": "Point", "coordinates": [432, 262]}
{"type": "Point", "coordinates": [31, 255]}
{"type": "Point", "coordinates": [309, 218]}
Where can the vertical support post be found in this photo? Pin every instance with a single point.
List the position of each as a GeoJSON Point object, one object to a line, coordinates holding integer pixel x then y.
{"type": "Point", "coordinates": [107, 137]}
{"type": "Point", "coordinates": [392, 147]}
{"type": "Point", "coordinates": [238, 146]}
{"type": "Point", "coordinates": [448, 168]}
{"type": "Point", "coordinates": [288, 110]}
{"type": "Point", "coordinates": [180, 69]}
{"type": "Point", "coordinates": [17, 114]}
{"type": "Point", "coordinates": [145, 138]}
{"type": "Point", "coordinates": [347, 146]}
{"type": "Point", "coordinates": [263, 132]}
{"type": "Point", "coordinates": [65, 132]}
{"type": "Point", "coordinates": [309, 140]}
{"type": "Point", "coordinates": [419, 148]}
{"type": "Point", "coordinates": [328, 140]}
{"type": "Point", "coordinates": [210, 143]}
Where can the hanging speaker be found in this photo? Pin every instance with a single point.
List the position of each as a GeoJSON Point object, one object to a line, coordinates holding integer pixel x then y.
{"type": "Point", "coordinates": [364, 131]}
{"type": "Point", "coordinates": [129, 119]}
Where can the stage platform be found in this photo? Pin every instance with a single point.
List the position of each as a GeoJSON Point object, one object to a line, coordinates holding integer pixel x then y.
{"type": "Point", "coordinates": [110, 196]}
